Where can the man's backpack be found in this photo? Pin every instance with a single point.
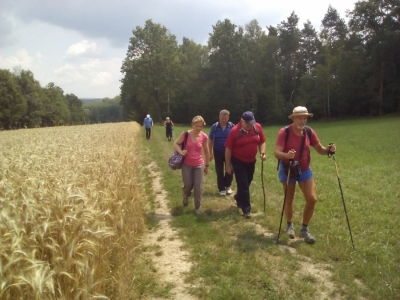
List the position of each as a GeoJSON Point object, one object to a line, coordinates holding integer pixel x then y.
{"type": "Point", "coordinates": [229, 123]}
{"type": "Point", "coordinates": [287, 132]}
{"type": "Point", "coordinates": [256, 132]}
{"type": "Point", "coordinates": [215, 125]}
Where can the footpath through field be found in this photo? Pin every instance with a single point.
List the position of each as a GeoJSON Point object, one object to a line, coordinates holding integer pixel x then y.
{"type": "Point", "coordinates": [221, 255]}
{"type": "Point", "coordinates": [170, 259]}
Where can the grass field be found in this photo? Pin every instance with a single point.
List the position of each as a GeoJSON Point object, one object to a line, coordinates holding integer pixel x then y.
{"type": "Point", "coordinates": [239, 259]}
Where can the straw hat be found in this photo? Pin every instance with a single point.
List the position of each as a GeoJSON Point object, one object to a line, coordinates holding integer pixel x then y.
{"type": "Point", "coordinates": [300, 111]}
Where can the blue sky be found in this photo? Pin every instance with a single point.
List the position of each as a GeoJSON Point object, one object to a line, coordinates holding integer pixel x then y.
{"type": "Point", "coordinates": [80, 45]}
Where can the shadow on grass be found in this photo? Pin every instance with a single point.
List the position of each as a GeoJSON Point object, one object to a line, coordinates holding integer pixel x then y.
{"type": "Point", "coordinates": [158, 217]}
{"type": "Point", "coordinates": [213, 193]}
{"type": "Point", "coordinates": [252, 241]}
{"type": "Point", "coordinates": [208, 215]}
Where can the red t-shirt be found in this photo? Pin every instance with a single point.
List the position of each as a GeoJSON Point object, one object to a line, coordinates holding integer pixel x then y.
{"type": "Point", "coordinates": [244, 144]}
{"type": "Point", "coordinates": [294, 142]}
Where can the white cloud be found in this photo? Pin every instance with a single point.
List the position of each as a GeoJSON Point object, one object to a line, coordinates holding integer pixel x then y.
{"type": "Point", "coordinates": [101, 78]}
{"type": "Point", "coordinates": [69, 74]}
{"type": "Point", "coordinates": [92, 65]}
{"type": "Point", "coordinates": [21, 58]}
{"type": "Point", "coordinates": [92, 73]}
{"type": "Point", "coordinates": [81, 48]}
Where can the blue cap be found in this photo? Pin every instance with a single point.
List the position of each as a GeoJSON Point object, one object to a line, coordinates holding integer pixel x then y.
{"type": "Point", "coordinates": [248, 117]}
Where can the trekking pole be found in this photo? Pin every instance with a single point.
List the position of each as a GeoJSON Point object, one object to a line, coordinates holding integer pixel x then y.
{"type": "Point", "coordinates": [332, 154]}
{"type": "Point", "coordinates": [284, 200]}
{"type": "Point", "coordinates": [262, 181]}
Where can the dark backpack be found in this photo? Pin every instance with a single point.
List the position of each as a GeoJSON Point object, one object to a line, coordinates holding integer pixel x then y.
{"type": "Point", "coordinates": [287, 132]}
{"type": "Point", "coordinates": [255, 131]}
{"type": "Point", "coordinates": [215, 125]}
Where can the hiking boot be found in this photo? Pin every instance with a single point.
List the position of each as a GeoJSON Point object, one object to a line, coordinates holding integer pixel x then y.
{"type": "Point", "coordinates": [222, 193]}
{"type": "Point", "coordinates": [308, 238]}
{"type": "Point", "coordinates": [197, 211]}
{"type": "Point", "coordinates": [290, 231]}
{"type": "Point", "coordinates": [228, 190]}
{"type": "Point", "coordinates": [247, 215]}
{"type": "Point", "coordinates": [185, 200]}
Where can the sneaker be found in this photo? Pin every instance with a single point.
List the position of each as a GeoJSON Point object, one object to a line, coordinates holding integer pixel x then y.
{"type": "Point", "coordinates": [247, 215]}
{"type": "Point", "coordinates": [290, 232]}
{"type": "Point", "coordinates": [185, 200]}
{"type": "Point", "coordinates": [228, 191]}
{"type": "Point", "coordinates": [197, 211]}
{"type": "Point", "coordinates": [308, 238]}
{"type": "Point", "coordinates": [222, 193]}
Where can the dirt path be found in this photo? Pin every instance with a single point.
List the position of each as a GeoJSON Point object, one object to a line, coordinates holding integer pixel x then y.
{"type": "Point", "coordinates": [320, 272]}
{"type": "Point", "coordinates": [171, 262]}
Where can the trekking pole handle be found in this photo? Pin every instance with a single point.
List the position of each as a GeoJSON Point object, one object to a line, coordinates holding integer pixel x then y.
{"type": "Point", "coordinates": [330, 153]}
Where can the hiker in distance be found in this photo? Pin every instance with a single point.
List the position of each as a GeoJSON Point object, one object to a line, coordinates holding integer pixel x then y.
{"type": "Point", "coordinates": [240, 157]}
{"type": "Point", "coordinates": [169, 126]}
{"type": "Point", "coordinates": [218, 133]}
{"type": "Point", "coordinates": [196, 161]}
{"type": "Point", "coordinates": [292, 149]}
{"type": "Point", "coordinates": [148, 124]}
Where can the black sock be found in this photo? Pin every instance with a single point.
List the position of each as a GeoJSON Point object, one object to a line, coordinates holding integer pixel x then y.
{"type": "Point", "coordinates": [304, 227]}
{"type": "Point", "coordinates": [290, 224]}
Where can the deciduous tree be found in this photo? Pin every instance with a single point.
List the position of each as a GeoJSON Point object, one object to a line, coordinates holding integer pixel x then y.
{"type": "Point", "coordinates": [12, 103]}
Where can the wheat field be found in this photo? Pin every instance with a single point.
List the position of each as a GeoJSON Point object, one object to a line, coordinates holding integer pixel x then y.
{"type": "Point", "coordinates": [70, 211]}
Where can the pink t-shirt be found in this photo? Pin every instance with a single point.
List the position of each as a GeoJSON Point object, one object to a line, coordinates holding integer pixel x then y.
{"type": "Point", "coordinates": [294, 142]}
{"type": "Point", "coordinates": [194, 155]}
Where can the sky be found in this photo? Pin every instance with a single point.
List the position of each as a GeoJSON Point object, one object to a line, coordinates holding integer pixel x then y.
{"type": "Point", "coordinates": [79, 45]}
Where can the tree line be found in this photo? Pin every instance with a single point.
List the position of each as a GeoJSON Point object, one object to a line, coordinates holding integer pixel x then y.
{"type": "Point", "coordinates": [24, 103]}
{"type": "Point", "coordinates": [344, 69]}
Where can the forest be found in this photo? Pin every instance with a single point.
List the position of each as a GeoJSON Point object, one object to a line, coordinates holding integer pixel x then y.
{"type": "Point", "coordinates": [345, 69]}
{"type": "Point", "coordinates": [24, 103]}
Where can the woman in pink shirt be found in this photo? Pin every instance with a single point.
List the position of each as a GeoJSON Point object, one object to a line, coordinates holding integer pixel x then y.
{"type": "Point", "coordinates": [196, 162]}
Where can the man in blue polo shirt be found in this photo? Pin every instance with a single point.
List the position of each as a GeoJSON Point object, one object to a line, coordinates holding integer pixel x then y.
{"type": "Point", "coordinates": [217, 137]}
{"type": "Point", "coordinates": [148, 124]}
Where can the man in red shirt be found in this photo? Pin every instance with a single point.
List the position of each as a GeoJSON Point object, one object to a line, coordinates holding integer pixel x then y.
{"type": "Point", "coordinates": [241, 147]}
{"type": "Point", "coordinates": [289, 149]}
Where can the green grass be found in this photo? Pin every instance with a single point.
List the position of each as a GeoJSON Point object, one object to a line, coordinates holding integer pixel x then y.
{"type": "Point", "coordinates": [234, 260]}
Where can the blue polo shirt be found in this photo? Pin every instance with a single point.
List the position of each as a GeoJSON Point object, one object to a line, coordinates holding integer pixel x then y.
{"type": "Point", "coordinates": [219, 135]}
{"type": "Point", "coordinates": [147, 122]}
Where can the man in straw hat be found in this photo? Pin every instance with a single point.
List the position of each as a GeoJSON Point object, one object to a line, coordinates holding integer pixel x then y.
{"type": "Point", "coordinates": [292, 142]}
